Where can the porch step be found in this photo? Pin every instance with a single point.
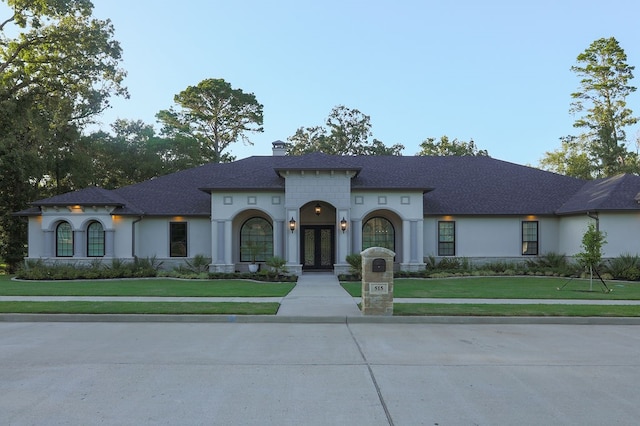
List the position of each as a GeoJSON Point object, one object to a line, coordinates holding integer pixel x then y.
{"type": "Point", "coordinates": [318, 294]}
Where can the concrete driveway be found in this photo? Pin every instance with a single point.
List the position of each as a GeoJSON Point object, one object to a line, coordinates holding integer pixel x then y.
{"type": "Point", "coordinates": [318, 374]}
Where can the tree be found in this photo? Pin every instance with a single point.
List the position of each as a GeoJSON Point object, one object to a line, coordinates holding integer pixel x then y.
{"type": "Point", "coordinates": [592, 242]}
{"type": "Point", "coordinates": [346, 132]}
{"type": "Point", "coordinates": [570, 160]}
{"type": "Point", "coordinates": [61, 52]}
{"type": "Point", "coordinates": [212, 116]}
{"type": "Point", "coordinates": [58, 67]}
{"type": "Point", "coordinates": [601, 98]}
{"type": "Point", "coordinates": [455, 147]}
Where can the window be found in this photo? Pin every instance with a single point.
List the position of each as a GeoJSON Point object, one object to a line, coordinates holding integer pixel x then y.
{"type": "Point", "coordinates": [64, 240]}
{"type": "Point", "coordinates": [256, 240]}
{"type": "Point", "coordinates": [378, 232]}
{"type": "Point", "coordinates": [530, 238]}
{"type": "Point", "coordinates": [178, 239]}
{"type": "Point", "coordinates": [95, 240]}
{"type": "Point", "coordinates": [446, 238]}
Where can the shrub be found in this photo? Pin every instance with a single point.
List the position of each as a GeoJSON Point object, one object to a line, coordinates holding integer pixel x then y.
{"type": "Point", "coordinates": [625, 267]}
{"type": "Point", "coordinates": [449, 263]}
{"type": "Point", "coordinates": [355, 261]}
{"type": "Point", "coordinates": [199, 263]}
{"type": "Point", "coordinates": [277, 265]}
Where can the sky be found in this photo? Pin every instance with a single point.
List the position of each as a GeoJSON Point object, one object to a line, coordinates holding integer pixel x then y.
{"type": "Point", "coordinates": [497, 72]}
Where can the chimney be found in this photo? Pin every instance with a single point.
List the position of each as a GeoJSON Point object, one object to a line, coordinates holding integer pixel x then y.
{"type": "Point", "coordinates": [279, 148]}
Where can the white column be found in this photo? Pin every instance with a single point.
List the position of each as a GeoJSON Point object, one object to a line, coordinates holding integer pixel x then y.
{"type": "Point", "coordinates": [79, 244]}
{"type": "Point", "coordinates": [279, 235]}
{"type": "Point", "coordinates": [293, 238]}
{"type": "Point", "coordinates": [406, 242]}
{"type": "Point", "coordinates": [343, 237]}
{"type": "Point", "coordinates": [49, 243]}
{"type": "Point", "coordinates": [356, 236]}
{"type": "Point", "coordinates": [109, 243]}
{"type": "Point", "coordinates": [228, 243]}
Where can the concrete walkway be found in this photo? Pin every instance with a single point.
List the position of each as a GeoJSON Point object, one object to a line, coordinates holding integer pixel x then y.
{"type": "Point", "coordinates": [318, 294]}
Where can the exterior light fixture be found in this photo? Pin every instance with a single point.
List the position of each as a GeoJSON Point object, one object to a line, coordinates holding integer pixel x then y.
{"type": "Point", "coordinates": [343, 225]}
{"type": "Point", "coordinates": [292, 224]}
{"type": "Point", "coordinates": [317, 209]}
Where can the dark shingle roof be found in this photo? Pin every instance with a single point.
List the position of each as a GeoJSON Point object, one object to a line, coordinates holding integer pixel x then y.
{"type": "Point", "coordinates": [452, 185]}
{"type": "Point", "coordinates": [614, 193]}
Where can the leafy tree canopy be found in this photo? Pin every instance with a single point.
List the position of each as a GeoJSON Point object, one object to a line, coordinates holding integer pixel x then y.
{"type": "Point", "coordinates": [445, 147]}
{"type": "Point", "coordinates": [212, 116]}
{"type": "Point", "coordinates": [346, 132]}
{"type": "Point", "coordinates": [601, 105]}
{"type": "Point", "coordinates": [60, 52]}
{"type": "Point", "coordinates": [58, 67]}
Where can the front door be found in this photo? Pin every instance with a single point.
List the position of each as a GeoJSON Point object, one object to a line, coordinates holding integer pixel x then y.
{"type": "Point", "coordinates": [317, 247]}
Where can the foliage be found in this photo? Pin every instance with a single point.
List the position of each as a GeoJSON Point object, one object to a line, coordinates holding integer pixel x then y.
{"type": "Point", "coordinates": [277, 265]}
{"type": "Point", "coordinates": [571, 159]}
{"type": "Point", "coordinates": [355, 262]}
{"type": "Point", "coordinates": [212, 116]}
{"type": "Point", "coordinates": [445, 147]}
{"type": "Point", "coordinates": [253, 249]}
{"type": "Point", "coordinates": [346, 132]}
{"type": "Point", "coordinates": [625, 267]}
{"type": "Point", "coordinates": [199, 263]}
{"type": "Point", "coordinates": [58, 67]}
{"type": "Point", "coordinates": [119, 268]}
{"type": "Point", "coordinates": [601, 99]}
{"type": "Point", "coordinates": [592, 242]}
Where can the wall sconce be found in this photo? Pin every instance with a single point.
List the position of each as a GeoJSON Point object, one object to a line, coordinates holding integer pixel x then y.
{"type": "Point", "coordinates": [317, 209]}
{"type": "Point", "coordinates": [343, 225]}
{"type": "Point", "coordinates": [292, 224]}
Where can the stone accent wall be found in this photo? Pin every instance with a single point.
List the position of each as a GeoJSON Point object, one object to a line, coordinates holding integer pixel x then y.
{"type": "Point", "coordinates": [377, 287]}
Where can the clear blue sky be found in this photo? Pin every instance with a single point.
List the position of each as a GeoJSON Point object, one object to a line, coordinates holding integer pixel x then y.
{"type": "Point", "coordinates": [495, 71]}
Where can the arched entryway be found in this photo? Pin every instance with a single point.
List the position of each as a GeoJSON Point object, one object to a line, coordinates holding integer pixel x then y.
{"type": "Point", "coordinates": [317, 236]}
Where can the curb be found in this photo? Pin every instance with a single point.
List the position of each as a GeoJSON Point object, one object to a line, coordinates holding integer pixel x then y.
{"type": "Point", "coordinates": [272, 319]}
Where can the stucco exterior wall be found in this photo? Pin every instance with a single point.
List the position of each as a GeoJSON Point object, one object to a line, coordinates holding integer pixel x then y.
{"type": "Point", "coordinates": [622, 233]}
{"type": "Point", "coordinates": [491, 237]}
{"type": "Point", "coordinates": [152, 237]}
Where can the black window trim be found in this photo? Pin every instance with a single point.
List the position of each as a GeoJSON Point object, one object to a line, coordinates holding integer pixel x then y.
{"type": "Point", "coordinates": [453, 243]}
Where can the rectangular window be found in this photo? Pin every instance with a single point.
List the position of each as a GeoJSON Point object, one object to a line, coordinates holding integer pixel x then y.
{"type": "Point", "coordinates": [530, 238]}
{"type": "Point", "coordinates": [178, 239]}
{"type": "Point", "coordinates": [446, 238]}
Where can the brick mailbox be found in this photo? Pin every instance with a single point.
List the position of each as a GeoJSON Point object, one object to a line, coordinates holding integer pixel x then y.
{"type": "Point", "coordinates": [377, 281]}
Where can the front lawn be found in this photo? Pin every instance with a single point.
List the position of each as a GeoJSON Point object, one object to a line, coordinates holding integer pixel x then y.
{"type": "Point", "coordinates": [163, 308]}
{"type": "Point", "coordinates": [159, 287]}
{"type": "Point", "coordinates": [506, 288]}
{"type": "Point", "coordinates": [528, 310]}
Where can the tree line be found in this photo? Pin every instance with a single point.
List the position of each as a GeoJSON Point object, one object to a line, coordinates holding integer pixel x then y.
{"type": "Point", "coordinates": [59, 66]}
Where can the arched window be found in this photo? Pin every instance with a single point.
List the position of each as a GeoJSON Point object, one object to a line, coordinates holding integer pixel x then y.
{"type": "Point", "coordinates": [256, 240]}
{"type": "Point", "coordinates": [95, 240]}
{"type": "Point", "coordinates": [378, 232]}
{"type": "Point", "coordinates": [64, 240]}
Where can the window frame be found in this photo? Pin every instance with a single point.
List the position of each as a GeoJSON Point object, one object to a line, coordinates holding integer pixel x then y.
{"type": "Point", "coordinates": [66, 246]}
{"type": "Point", "coordinates": [525, 251]}
{"type": "Point", "coordinates": [91, 240]}
{"type": "Point", "coordinates": [446, 248]}
{"type": "Point", "coordinates": [375, 241]}
{"type": "Point", "coordinates": [173, 242]}
{"type": "Point", "coordinates": [267, 241]}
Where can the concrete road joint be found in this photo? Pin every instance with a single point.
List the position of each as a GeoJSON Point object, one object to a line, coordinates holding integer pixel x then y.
{"type": "Point", "coordinates": [373, 377]}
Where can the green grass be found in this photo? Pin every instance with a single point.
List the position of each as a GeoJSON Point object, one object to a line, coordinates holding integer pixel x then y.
{"type": "Point", "coordinates": [159, 287]}
{"type": "Point", "coordinates": [506, 288]}
{"type": "Point", "coordinates": [182, 308]}
{"type": "Point", "coordinates": [534, 310]}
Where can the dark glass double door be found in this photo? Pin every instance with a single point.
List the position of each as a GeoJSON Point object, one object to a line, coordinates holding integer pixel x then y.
{"type": "Point", "coordinates": [317, 247]}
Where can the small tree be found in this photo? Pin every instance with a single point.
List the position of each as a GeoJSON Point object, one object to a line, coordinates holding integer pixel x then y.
{"type": "Point", "coordinates": [592, 242]}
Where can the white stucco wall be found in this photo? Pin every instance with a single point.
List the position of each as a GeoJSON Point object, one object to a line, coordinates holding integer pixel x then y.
{"type": "Point", "coordinates": [152, 236]}
{"type": "Point", "coordinates": [491, 237]}
{"type": "Point", "coordinates": [622, 233]}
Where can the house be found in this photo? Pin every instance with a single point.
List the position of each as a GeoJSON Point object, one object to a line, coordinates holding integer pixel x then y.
{"type": "Point", "coordinates": [315, 209]}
